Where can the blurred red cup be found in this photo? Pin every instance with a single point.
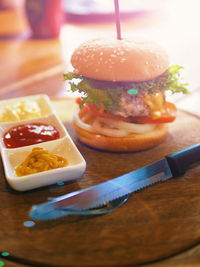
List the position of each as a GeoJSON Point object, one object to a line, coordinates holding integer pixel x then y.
{"type": "Point", "coordinates": [45, 17]}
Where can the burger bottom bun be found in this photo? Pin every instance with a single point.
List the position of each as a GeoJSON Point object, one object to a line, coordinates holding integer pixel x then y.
{"type": "Point", "coordinates": [133, 142]}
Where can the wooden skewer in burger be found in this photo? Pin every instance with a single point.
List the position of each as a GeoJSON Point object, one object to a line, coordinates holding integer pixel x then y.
{"type": "Point", "coordinates": [123, 84]}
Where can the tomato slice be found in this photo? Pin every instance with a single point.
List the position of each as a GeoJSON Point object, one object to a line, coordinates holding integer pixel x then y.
{"type": "Point", "coordinates": [101, 113]}
{"type": "Point", "coordinates": [79, 100]}
{"type": "Point", "coordinates": [168, 115]}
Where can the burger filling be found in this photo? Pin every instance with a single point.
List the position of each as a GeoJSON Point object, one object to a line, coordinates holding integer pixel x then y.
{"type": "Point", "coordinates": [122, 108]}
{"type": "Point", "coordinates": [132, 106]}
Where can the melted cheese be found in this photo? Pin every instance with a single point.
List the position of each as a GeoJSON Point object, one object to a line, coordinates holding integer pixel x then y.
{"type": "Point", "coordinates": [156, 104]}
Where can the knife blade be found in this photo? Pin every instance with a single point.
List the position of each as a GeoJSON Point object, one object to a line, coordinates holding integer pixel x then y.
{"type": "Point", "coordinates": [172, 165]}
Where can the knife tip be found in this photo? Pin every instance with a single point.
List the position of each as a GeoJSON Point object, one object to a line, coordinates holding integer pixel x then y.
{"type": "Point", "coordinates": [41, 211]}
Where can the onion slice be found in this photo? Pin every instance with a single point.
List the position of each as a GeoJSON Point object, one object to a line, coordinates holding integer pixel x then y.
{"type": "Point", "coordinates": [113, 128]}
{"type": "Point", "coordinates": [82, 124]}
{"type": "Point", "coordinates": [108, 131]}
{"type": "Point", "coordinates": [127, 126]}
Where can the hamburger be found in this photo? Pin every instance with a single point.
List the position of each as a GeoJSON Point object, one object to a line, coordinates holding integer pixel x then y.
{"type": "Point", "coordinates": [122, 84]}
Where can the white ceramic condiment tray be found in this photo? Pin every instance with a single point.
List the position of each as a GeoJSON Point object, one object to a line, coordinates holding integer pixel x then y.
{"type": "Point", "coordinates": [42, 101]}
{"type": "Point", "coordinates": [64, 147]}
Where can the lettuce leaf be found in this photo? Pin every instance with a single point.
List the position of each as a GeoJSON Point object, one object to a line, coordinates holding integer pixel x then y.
{"type": "Point", "coordinates": [170, 80]}
{"type": "Point", "coordinates": [110, 95]}
{"type": "Point", "coordinates": [95, 96]}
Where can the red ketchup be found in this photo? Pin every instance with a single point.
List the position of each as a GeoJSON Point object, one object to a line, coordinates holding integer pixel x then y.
{"type": "Point", "coordinates": [29, 134]}
{"type": "Point", "coordinates": [45, 17]}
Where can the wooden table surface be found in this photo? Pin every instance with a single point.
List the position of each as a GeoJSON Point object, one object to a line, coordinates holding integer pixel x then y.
{"type": "Point", "coordinates": [36, 66]}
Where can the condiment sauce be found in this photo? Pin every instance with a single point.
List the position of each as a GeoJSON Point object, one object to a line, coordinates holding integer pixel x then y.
{"type": "Point", "coordinates": [29, 134]}
{"type": "Point", "coordinates": [22, 110]}
{"type": "Point", "coordinates": [40, 160]}
{"type": "Point", "coordinates": [156, 104]}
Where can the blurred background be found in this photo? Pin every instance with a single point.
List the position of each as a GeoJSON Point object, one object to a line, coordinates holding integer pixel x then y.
{"type": "Point", "coordinates": [37, 37]}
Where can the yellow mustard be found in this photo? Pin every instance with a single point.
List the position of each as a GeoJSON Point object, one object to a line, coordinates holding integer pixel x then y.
{"type": "Point", "coordinates": [40, 160]}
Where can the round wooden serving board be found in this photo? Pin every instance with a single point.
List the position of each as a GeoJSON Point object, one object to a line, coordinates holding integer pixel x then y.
{"type": "Point", "coordinates": [155, 223]}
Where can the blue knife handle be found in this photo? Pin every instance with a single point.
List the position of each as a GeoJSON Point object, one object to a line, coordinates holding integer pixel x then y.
{"type": "Point", "coordinates": [180, 161]}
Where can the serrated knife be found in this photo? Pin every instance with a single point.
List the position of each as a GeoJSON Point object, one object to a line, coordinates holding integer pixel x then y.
{"type": "Point", "coordinates": [173, 165]}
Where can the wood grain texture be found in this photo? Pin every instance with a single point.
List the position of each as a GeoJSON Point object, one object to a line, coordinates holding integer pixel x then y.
{"type": "Point", "coordinates": [10, 29]}
{"type": "Point", "coordinates": [50, 82]}
{"type": "Point", "coordinates": [188, 258]}
{"type": "Point", "coordinates": [24, 59]}
{"type": "Point", "coordinates": [158, 222]}
{"type": "Point", "coordinates": [4, 262]}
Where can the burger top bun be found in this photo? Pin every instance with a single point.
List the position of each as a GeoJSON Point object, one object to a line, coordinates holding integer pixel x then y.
{"type": "Point", "coordinates": [120, 60]}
